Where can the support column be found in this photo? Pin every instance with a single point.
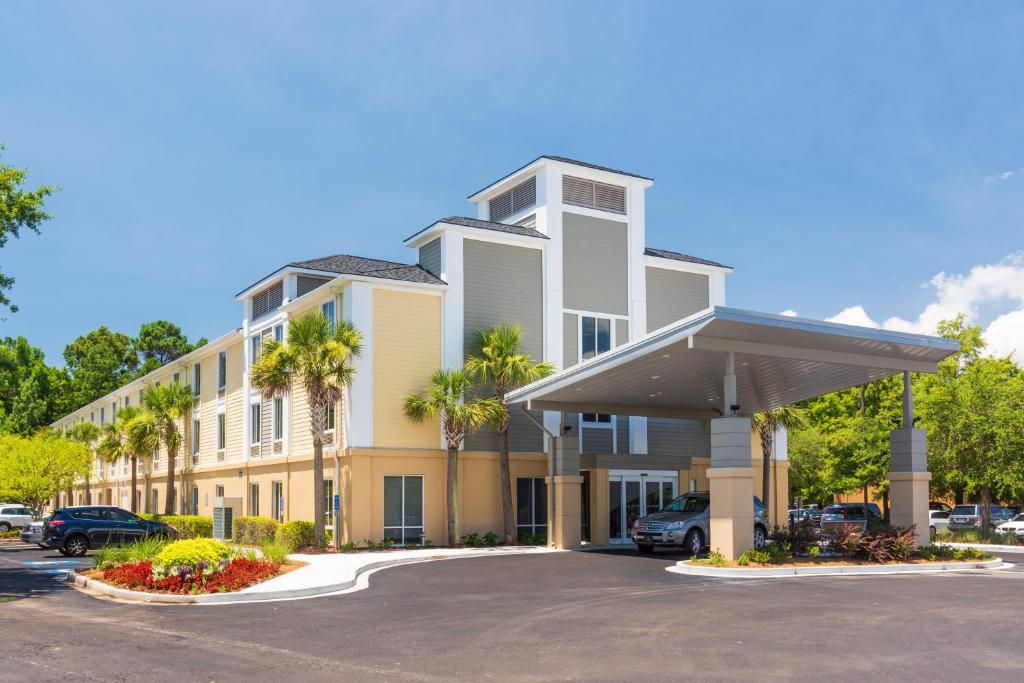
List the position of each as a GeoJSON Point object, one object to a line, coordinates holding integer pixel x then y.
{"type": "Point", "coordinates": [909, 475]}
{"type": "Point", "coordinates": [564, 493]}
{"type": "Point", "coordinates": [731, 486]}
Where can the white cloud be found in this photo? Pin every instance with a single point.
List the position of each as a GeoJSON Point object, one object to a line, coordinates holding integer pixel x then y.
{"type": "Point", "coordinates": [789, 312]}
{"type": "Point", "coordinates": [1005, 175]}
{"type": "Point", "coordinates": [993, 285]}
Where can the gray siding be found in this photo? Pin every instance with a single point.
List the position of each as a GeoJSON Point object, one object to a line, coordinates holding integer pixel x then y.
{"type": "Point", "coordinates": [504, 284]}
{"type": "Point", "coordinates": [430, 256]}
{"type": "Point", "coordinates": [597, 440]}
{"type": "Point", "coordinates": [307, 284]}
{"type": "Point", "coordinates": [594, 264]}
{"type": "Point", "coordinates": [570, 341]}
{"type": "Point", "coordinates": [668, 436]}
{"type": "Point", "coordinates": [622, 433]}
{"type": "Point", "coordinates": [672, 295]}
{"type": "Point", "coordinates": [621, 332]}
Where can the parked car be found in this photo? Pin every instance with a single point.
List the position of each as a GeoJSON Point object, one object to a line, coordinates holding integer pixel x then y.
{"type": "Point", "coordinates": [938, 520]}
{"type": "Point", "coordinates": [853, 516]}
{"type": "Point", "coordinates": [814, 513]}
{"type": "Point", "coordinates": [800, 515]}
{"type": "Point", "coordinates": [1015, 525]}
{"type": "Point", "coordinates": [74, 530]}
{"type": "Point", "coordinates": [685, 524]}
{"type": "Point", "coordinates": [938, 505]}
{"type": "Point", "coordinates": [33, 533]}
{"type": "Point", "coordinates": [14, 516]}
{"type": "Point", "coordinates": [968, 517]}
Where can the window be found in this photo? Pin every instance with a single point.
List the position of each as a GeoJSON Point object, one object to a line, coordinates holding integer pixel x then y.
{"type": "Point", "coordinates": [597, 419]}
{"type": "Point", "coordinates": [155, 495]}
{"type": "Point", "coordinates": [127, 400]}
{"type": "Point", "coordinates": [218, 491]}
{"type": "Point", "coordinates": [331, 417]}
{"type": "Point", "coordinates": [141, 392]}
{"type": "Point", "coordinates": [267, 301]}
{"type": "Point", "coordinates": [124, 464]}
{"type": "Point", "coordinates": [255, 428]}
{"type": "Point", "coordinates": [531, 505]}
{"type": "Point", "coordinates": [593, 195]}
{"type": "Point", "coordinates": [156, 458]}
{"type": "Point", "coordinates": [279, 333]}
{"type": "Point", "coordinates": [522, 196]}
{"type": "Point", "coordinates": [329, 502]}
{"type": "Point", "coordinates": [595, 336]}
{"type": "Point", "coordinates": [113, 411]}
{"type": "Point", "coordinates": [195, 500]}
{"type": "Point", "coordinates": [177, 378]}
{"type": "Point", "coordinates": [195, 380]}
{"type": "Point", "coordinates": [403, 509]}
{"type": "Point", "coordinates": [101, 415]}
{"type": "Point", "coordinates": [222, 369]}
{"type": "Point", "coordinates": [257, 346]}
{"type": "Point", "coordinates": [254, 499]}
{"type": "Point", "coordinates": [92, 417]}
{"type": "Point", "coordinates": [328, 311]}
{"type": "Point", "coordinates": [278, 416]}
{"type": "Point", "coordinates": [277, 500]}
{"type": "Point", "coordinates": [195, 437]}
{"type": "Point", "coordinates": [221, 432]}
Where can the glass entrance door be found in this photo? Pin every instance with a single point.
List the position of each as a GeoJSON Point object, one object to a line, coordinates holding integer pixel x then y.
{"type": "Point", "coordinates": [635, 495]}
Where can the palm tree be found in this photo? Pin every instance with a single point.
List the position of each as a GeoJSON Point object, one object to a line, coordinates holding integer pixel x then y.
{"type": "Point", "coordinates": [143, 435]}
{"type": "Point", "coordinates": [318, 354]}
{"type": "Point", "coordinates": [86, 433]}
{"type": "Point", "coordinates": [117, 444]}
{"type": "Point", "coordinates": [765, 424]}
{"type": "Point", "coordinates": [168, 404]}
{"type": "Point", "coordinates": [498, 360]}
{"type": "Point", "coordinates": [444, 398]}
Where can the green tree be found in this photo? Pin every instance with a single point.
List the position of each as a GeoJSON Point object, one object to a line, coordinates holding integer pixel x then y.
{"type": "Point", "coordinates": [497, 361]}
{"type": "Point", "coordinates": [99, 362]}
{"type": "Point", "coordinates": [809, 461]}
{"type": "Point", "coordinates": [20, 209]}
{"type": "Point", "coordinates": [765, 424]}
{"type": "Point", "coordinates": [317, 354]}
{"type": "Point", "coordinates": [32, 394]}
{"type": "Point", "coordinates": [160, 342]}
{"type": "Point", "coordinates": [143, 435]}
{"type": "Point", "coordinates": [34, 469]}
{"type": "Point", "coordinates": [87, 434]}
{"type": "Point", "coordinates": [116, 444]}
{"type": "Point", "coordinates": [445, 398]}
{"type": "Point", "coordinates": [167, 404]}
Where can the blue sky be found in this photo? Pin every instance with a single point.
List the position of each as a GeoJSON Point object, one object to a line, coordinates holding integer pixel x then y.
{"type": "Point", "coordinates": [837, 155]}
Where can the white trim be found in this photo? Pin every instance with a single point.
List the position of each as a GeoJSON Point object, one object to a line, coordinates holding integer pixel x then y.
{"type": "Point", "coordinates": [595, 314]}
{"type": "Point", "coordinates": [358, 308]}
{"type": "Point", "coordinates": [549, 222]}
{"type": "Point", "coordinates": [423, 506]}
{"type": "Point", "coordinates": [453, 304]}
{"type": "Point", "coordinates": [650, 473]}
{"type": "Point", "coordinates": [441, 228]}
{"type": "Point", "coordinates": [579, 335]}
{"type": "Point", "coordinates": [685, 266]}
{"type": "Point", "coordinates": [597, 213]}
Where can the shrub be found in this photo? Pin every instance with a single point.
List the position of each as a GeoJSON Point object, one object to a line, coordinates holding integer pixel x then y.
{"type": "Point", "coordinates": [197, 555]}
{"type": "Point", "coordinates": [532, 539]}
{"type": "Point", "coordinates": [799, 537]}
{"type": "Point", "coordinates": [147, 516]}
{"type": "Point", "coordinates": [230, 575]}
{"type": "Point", "coordinates": [880, 545]}
{"type": "Point", "coordinates": [275, 551]}
{"type": "Point", "coordinates": [490, 538]}
{"type": "Point", "coordinates": [717, 559]}
{"type": "Point", "coordinates": [813, 551]}
{"type": "Point", "coordinates": [295, 535]}
{"type": "Point", "coordinates": [472, 540]}
{"type": "Point", "coordinates": [190, 526]}
{"type": "Point", "coordinates": [755, 556]}
{"type": "Point", "coordinates": [346, 547]}
{"type": "Point", "coordinates": [143, 549]}
{"type": "Point", "coordinates": [254, 531]}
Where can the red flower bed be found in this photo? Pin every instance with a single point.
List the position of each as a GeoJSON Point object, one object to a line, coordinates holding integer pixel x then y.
{"type": "Point", "coordinates": [235, 575]}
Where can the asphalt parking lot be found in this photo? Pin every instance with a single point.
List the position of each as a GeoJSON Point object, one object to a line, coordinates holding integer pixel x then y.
{"type": "Point", "coordinates": [568, 616]}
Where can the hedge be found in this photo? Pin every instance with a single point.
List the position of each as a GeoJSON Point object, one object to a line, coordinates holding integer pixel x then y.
{"type": "Point", "coordinates": [190, 526]}
{"type": "Point", "coordinates": [295, 535]}
{"type": "Point", "coordinates": [253, 530]}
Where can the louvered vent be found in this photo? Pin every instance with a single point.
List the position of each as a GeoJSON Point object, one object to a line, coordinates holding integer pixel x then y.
{"type": "Point", "coordinates": [528, 222]}
{"type": "Point", "coordinates": [593, 195]}
{"type": "Point", "coordinates": [267, 301]}
{"type": "Point", "coordinates": [522, 196]}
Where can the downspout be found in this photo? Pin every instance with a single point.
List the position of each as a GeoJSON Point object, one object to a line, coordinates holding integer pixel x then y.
{"type": "Point", "coordinates": [551, 472]}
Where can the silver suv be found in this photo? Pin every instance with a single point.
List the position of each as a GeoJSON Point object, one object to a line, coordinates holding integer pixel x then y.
{"type": "Point", "coordinates": [684, 524]}
{"type": "Point", "coordinates": [14, 516]}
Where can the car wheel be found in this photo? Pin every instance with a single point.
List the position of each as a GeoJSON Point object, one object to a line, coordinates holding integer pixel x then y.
{"type": "Point", "coordinates": [694, 542]}
{"type": "Point", "coordinates": [76, 546]}
{"type": "Point", "coordinates": [645, 549]}
{"type": "Point", "coordinates": [4, 527]}
{"type": "Point", "coordinates": [759, 537]}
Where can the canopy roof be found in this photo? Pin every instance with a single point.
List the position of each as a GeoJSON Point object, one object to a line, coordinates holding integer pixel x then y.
{"type": "Point", "coordinates": [678, 371]}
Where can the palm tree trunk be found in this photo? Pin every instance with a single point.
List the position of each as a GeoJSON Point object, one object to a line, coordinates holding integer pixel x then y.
{"type": "Point", "coordinates": [507, 517]}
{"type": "Point", "coordinates": [319, 509]}
{"type": "Point", "coordinates": [147, 497]}
{"type": "Point", "coordinates": [766, 472]}
{"type": "Point", "coordinates": [88, 490]}
{"type": "Point", "coordinates": [169, 499]}
{"type": "Point", "coordinates": [453, 496]}
{"type": "Point", "coordinates": [135, 485]}
{"type": "Point", "coordinates": [986, 511]}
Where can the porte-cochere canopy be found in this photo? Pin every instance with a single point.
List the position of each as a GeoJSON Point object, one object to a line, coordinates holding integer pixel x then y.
{"type": "Point", "coordinates": [677, 371]}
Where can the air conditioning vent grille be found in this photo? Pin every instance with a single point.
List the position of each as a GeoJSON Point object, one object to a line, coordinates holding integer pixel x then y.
{"type": "Point", "coordinates": [593, 195]}
{"type": "Point", "coordinates": [520, 197]}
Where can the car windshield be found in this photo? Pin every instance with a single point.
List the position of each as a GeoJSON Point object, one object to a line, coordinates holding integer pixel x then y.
{"type": "Point", "coordinates": [1019, 518]}
{"type": "Point", "coordinates": [686, 504]}
{"type": "Point", "coordinates": [963, 510]}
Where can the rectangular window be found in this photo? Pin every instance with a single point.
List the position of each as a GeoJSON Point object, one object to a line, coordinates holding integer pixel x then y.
{"type": "Point", "coordinates": [195, 437]}
{"type": "Point", "coordinates": [113, 411]}
{"type": "Point", "coordinates": [156, 458]}
{"type": "Point", "coordinates": [221, 432]}
{"type": "Point", "coordinates": [156, 500]}
{"type": "Point", "coordinates": [329, 502]}
{"type": "Point", "coordinates": [595, 336]}
{"type": "Point", "coordinates": [255, 423]}
{"type": "Point", "coordinates": [279, 333]}
{"type": "Point", "coordinates": [267, 301]}
{"type": "Point", "coordinates": [101, 416]}
{"type": "Point", "coordinates": [257, 346]}
{"type": "Point", "coordinates": [195, 500]}
{"type": "Point", "coordinates": [277, 500]}
{"type": "Point", "coordinates": [127, 401]}
{"type": "Point", "coordinates": [218, 491]}
{"type": "Point", "coordinates": [92, 417]}
{"type": "Point", "coordinates": [254, 499]}
{"type": "Point", "coordinates": [331, 417]}
{"type": "Point", "coordinates": [403, 509]}
{"type": "Point", "coordinates": [597, 419]}
{"type": "Point", "coordinates": [222, 369]}
{"type": "Point", "coordinates": [328, 311]}
{"type": "Point", "coordinates": [278, 418]}
{"type": "Point", "coordinates": [177, 378]}
{"type": "Point", "coordinates": [531, 505]}
{"type": "Point", "coordinates": [195, 380]}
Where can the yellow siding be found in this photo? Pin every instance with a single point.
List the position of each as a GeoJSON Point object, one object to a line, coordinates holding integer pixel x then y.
{"type": "Point", "coordinates": [406, 350]}
{"type": "Point", "coordinates": [301, 438]}
{"type": "Point", "coordinates": [234, 403]}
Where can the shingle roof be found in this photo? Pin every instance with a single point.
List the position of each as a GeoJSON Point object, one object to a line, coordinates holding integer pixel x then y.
{"type": "Point", "coordinates": [484, 225]}
{"type": "Point", "coordinates": [676, 256]}
{"type": "Point", "coordinates": [564, 160]}
{"type": "Point", "coordinates": [343, 264]}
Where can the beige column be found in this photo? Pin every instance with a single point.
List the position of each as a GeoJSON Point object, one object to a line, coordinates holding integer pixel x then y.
{"type": "Point", "coordinates": [565, 530]}
{"type": "Point", "coordinates": [599, 527]}
{"type": "Point", "coordinates": [731, 485]}
{"type": "Point", "coordinates": [909, 475]}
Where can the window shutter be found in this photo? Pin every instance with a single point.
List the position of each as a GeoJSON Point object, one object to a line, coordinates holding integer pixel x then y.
{"type": "Point", "coordinates": [270, 299]}
{"type": "Point", "coordinates": [593, 195]}
{"type": "Point", "coordinates": [522, 196]}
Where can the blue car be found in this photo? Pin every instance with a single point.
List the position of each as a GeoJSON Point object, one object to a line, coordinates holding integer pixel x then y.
{"type": "Point", "coordinates": [74, 530]}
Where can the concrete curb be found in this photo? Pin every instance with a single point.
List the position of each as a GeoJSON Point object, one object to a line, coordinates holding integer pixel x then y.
{"type": "Point", "coordinates": [97, 586]}
{"type": "Point", "coordinates": [990, 547]}
{"type": "Point", "coordinates": [685, 567]}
